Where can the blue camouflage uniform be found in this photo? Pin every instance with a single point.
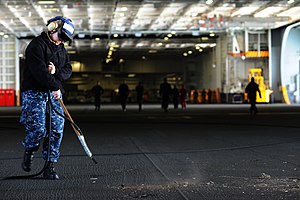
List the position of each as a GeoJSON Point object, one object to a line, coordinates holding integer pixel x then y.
{"type": "Point", "coordinates": [34, 119]}
{"type": "Point", "coordinates": [36, 84]}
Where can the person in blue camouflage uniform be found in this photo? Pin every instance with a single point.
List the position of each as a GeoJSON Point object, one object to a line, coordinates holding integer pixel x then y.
{"type": "Point", "coordinates": [46, 66]}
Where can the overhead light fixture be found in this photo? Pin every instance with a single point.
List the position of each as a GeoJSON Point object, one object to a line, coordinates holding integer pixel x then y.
{"type": "Point", "coordinates": [138, 34]}
{"type": "Point", "coordinates": [152, 51]}
{"type": "Point", "coordinates": [108, 60]}
{"type": "Point", "coordinates": [121, 61]}
{"type": "Point", "coordinates": [46, 2]}
{"type": "Point", "coordinates": [196, 10]}
{"type": "Point", "coordinates": [208, 2]}
{"type": "Point", "coordinates": [269, 11]}
{"type": "Point", "coordinates": [124, 9]}
{"type": "Point", "coordinates": [81, 35]}
{"type": "Point", "coordinates": [131, 75]}
{"type": "Point", "coordinates": [292, 12]}
{"type": "Point", "coordinates": [71, 52]}
{"type": "Point", "coordinates": [245, 11]}
{"type": "Point", "coordinates": [195, 33]}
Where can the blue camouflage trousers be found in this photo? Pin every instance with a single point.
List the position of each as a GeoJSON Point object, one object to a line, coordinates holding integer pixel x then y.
{"type": "Point", "coordinates": [33, 117]}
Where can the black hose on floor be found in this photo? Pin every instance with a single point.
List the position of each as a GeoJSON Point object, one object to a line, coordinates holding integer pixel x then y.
{"type": "Point", "coordinates": [48, 125]}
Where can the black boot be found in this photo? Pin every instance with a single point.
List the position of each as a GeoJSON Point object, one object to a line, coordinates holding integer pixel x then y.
{"type": "Point", "coordinates": [49, 172]}
{"type": "Point", "coordinates": [27, 161]}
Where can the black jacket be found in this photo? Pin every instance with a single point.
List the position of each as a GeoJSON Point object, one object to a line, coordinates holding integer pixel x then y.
{"type": "Point", "coordinates": [38, 54]}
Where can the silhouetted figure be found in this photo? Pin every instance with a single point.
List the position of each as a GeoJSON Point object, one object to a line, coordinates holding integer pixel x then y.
{"type": "Point", "coordinates": [139, 95]}
{"type": "Point", "coordinates": [165, 91]}
{"type": "Point", "coordinates": [203, 95]}
{"type": "Point", "coordinates": [195, 96]}
{"type": "Point", "coordinates": [123, 95]}
{"type": "Point", "coordinates": [251, 90]}
{"type": "Point", "coordinates": [209, 93]}
{"type": "Point", "coordinates": [175, 94]}
{"type": "Point", "coordinates": [98, 91]}
{"type": "Point", "coordinates": [183, 95]}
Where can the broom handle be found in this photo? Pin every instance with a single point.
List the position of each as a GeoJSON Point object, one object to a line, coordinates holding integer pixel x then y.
{"type": "Point", "coordinates": [69, 116]}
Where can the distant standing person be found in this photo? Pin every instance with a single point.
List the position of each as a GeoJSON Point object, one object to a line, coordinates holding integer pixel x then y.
{"type": "Point", "coordinates": [203, 95]}
{"type": "Point", "coordinates": [175, 94]}
{"type": "Point", "coordinates": [251, 90]}
{"type": "Point", "coordinates": [123, 95]}
{"type": "Point", "coordinates": [183, 95]}
{"type": "Point", "coordinates": [195, 95]}
{"type": "Point", "coordinates": [165, 91]}
{"type": "Point", "coordinates": [139, 95]}
{"type": "Point", "coordinates": [98, 91]}
{"type": "Point", "coordinates": [209, 93]}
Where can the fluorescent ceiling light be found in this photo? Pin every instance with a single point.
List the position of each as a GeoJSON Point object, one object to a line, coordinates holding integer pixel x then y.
{"type": "Point", "coordinates": [173, 9]}
{"type": "Point", "coordinates": [131, 75]}
{"type": "Point", "coordinates": [290, 12]}
{"type": "Point", "coordinates": [245, 11]}
{"type": "Point", "coordinates": [138, 34]}
{"type": "Point", "coordinates": [268, 11]}
{"type": "Point", "coordinates": [46, 2]}
{"type": "Point", "coordinates": [72, 52]}
{"type": "Point", "coordinates": [223, 10]}
{"type": "Point", "coordinates": [141, 44]}
{"type": "Point", "coordinates": [152, 51]}
{"type": "Point", "coordinates": [209, 2]}
{"type": "Point", "coordinates": [147, 10]}
{"type": "Point", "coordinates": [195, 33]}
{"type": "Point", "coordinates": [195, 10]}
{"type": "Point", "coordinates": [168, 15]}
{"type": "Point", "coordinates": [124, 9]}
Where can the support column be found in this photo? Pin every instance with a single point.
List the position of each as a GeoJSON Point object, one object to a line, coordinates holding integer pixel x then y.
{"type": "Point", "coordinates": [17, 72]}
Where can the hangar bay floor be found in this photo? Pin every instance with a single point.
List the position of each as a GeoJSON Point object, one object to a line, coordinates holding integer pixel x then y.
{"type": "Point", "coordinates": [204, 152]}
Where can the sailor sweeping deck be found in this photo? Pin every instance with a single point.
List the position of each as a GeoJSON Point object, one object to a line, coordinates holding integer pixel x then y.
{"type": "Point", "coordinates": [47, 65]}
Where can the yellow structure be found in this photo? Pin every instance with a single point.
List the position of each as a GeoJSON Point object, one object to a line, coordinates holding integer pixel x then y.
{"type": "Point", "coordinates": [256, 73]}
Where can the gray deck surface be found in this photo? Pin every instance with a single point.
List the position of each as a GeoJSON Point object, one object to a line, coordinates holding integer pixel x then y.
{"type": "Point", "coordinates": [204, 152]}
